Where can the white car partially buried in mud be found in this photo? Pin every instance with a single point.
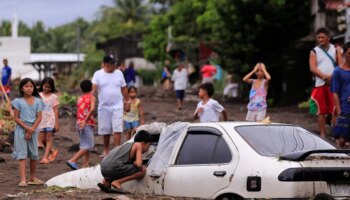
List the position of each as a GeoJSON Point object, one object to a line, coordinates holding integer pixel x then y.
{"type": "Point", "coordinates": [234, 160]}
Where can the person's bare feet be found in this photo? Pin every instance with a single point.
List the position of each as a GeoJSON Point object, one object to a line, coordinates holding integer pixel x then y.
{"type": "Point", "coordinates": [117, 185]}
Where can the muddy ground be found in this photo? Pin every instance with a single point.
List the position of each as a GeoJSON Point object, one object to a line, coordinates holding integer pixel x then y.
{"type": "Point", "coordinates": [158, 107]}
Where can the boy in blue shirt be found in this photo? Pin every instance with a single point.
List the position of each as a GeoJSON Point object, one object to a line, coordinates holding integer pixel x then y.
{"type": "Point", "coordinates": [340, 87]}
{"type": "Point", "coordinates": [6, 77]}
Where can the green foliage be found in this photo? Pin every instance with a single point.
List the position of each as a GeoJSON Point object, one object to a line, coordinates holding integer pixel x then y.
{"type": "Point", "coordinates": [149, 76]}
{"type": "Point", "coordinates": [304, 104]}
{"type": "Point", "coordinates": [241, 32]}
{"type": "Point", "coordinates": [186, 33]}
{"type": "Point", "coordinates": [5, 28]}
{"type": "Point", "coordinates": [67, 99]}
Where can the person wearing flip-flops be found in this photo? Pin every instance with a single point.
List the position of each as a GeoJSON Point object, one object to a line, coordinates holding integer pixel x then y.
{"type": "Point", "coordinates": [27, 115]}
{"type": "Point", "coordinates": [49, 122]}
{"type": "Point", "coordinates": [85, 125]}
{"type": "Point", "coordinates": [124, 163]}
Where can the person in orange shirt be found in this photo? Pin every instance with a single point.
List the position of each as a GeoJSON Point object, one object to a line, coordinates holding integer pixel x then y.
{"type": "Point", "coordinates": [208, 73]}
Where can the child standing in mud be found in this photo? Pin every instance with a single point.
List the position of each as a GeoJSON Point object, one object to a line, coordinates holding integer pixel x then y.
{"type": "Point", "coordinates": [134, 115]}
{"type": "Point", "coordinates": [85, 124]}
{"type": "Point", "coordinates": [27, 115]}
{"type": "Point", "coordinates": [257, 96]}
{"type": "Point", "coordinates": [49, 122]}
{"type": "Point", "coordinates": [208, 110]}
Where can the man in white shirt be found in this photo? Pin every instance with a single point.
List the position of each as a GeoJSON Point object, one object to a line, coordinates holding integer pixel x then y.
{"type": "Point", "coordinates": [323, 59]}
{"type": "Point", "coordinates": [110, 86]}
{"type": "Point", "coordinates": [180, 78]}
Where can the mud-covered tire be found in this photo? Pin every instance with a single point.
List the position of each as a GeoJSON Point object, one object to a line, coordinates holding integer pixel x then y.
{"type": "Point", "coordinates": [229, 197]}
{"type": "Point", "coordinates": [323, 196]}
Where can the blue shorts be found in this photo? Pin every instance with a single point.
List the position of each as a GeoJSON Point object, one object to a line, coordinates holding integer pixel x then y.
{"type": "Point", "coordinates": [86, 136]}
{"type": "Point", "coordinates": [47, 129]}
{"type": "Point", "coordinates": [342, 128]}
{"type": "Point", "coordinates": [130, 125]}
{"type": "Point", "coordinates": [180, 94]}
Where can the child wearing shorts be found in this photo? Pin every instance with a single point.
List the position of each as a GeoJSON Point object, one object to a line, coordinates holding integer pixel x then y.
{"type": "Point", "coordinates": [124, 163]}
{"type": "Point", "coordinates": [85, 125]}
{"type": "Point", "coordinates": [257, 96]}
{"type": "Point", "coordinates": [49, 122]}
{"type": "Point", "coordinates": [134, 117]}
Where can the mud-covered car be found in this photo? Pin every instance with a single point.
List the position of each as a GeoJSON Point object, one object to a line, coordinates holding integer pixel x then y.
{"type": "Point", "coordinates": [235, 160]}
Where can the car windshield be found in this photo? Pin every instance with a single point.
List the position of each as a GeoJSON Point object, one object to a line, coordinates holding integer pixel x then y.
{"type": "Point", "coordinates": [276, 140]}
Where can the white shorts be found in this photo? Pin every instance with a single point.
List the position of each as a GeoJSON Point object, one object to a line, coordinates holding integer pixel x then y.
{"type": "Point", "coordinates": [256, 115]}
{"type": "Point", "coordinates": [110, 121]}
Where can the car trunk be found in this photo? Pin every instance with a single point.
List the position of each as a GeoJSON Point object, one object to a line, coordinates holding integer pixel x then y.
{"type": "Point", "coordinates": [332, 178]}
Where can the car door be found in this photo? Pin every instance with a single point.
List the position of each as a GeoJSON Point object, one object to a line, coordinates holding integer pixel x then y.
{"type": "Point", "coordinates": [204, 164]}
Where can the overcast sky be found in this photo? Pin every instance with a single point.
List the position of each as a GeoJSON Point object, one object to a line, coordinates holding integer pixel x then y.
{"type": "Point", "coordinates": [51, 12]}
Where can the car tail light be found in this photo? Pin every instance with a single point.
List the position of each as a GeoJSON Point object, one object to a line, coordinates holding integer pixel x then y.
{"type": "Point", "coordinates": [253, 183]}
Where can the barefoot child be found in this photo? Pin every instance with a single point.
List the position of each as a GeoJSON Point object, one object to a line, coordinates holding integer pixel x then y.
{"type": "Point", "coordinates": [49, 122]}
{"type": "Point", "coordinates": [257, 96]}
{"type": "Point", "coordinates": [124, 163]}
{"type": "Point", "coordinates": [85, 124]}
{"type": "Point", "coordinates": [27, 115]}
{"type": "Point", "coordinates": [208, 110]}
{"type": "Point", "coordinates": [134, 117]}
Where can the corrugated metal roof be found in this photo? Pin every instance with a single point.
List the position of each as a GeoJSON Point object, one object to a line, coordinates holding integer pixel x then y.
{"type": "Point", "coordinates": [55, 57]}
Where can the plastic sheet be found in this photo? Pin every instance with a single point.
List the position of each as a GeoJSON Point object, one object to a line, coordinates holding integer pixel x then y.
{"type": "Point", "coordinates": [167, 141]}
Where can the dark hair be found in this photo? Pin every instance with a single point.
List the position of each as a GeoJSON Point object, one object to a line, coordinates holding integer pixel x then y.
{"type": "Point", "coordinates": [323, 30]}
{"type": "Point", "coordinates": [143, 136]}
{"type": "Point", "coordinates": [346, 46]}
{"type": "Point", "coordinates": [208, 87]}
{"type": "Point", "coordinates": [86, 86]}
{"type": "Point", "coordinates": [132, 88]}
{"type": "Point", "coordinates": [50, 81]}
{"type": "Point", "coordinates": [25, 81]}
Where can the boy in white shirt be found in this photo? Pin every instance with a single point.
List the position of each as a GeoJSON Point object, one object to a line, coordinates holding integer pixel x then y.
{"type": "Point", "coordinates": [208, 110]}
{"type": "Point", "coordinates": [180, 78]}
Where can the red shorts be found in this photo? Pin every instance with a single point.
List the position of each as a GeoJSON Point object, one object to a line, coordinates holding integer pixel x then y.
{"type": "Point", "coordinates": [323, 99]}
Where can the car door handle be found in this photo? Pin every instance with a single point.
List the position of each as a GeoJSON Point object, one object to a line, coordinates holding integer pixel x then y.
{"type": "Point", "coordinates": [219, 173]}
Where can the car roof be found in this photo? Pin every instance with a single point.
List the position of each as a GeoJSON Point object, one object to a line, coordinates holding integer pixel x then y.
{"type": "Point", "coordinates": [234, 123]}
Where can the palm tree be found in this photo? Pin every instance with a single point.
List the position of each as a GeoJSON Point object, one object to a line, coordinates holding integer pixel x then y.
{"type": "Point", "coordinates": [128, 12]}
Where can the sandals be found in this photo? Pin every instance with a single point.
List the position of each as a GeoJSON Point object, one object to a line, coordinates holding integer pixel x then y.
{"type": "Point", "coordinates": [104, 187]}
{"type": "Point", "coordinates": [44, 161]}
{"type": "Point", "coordinates": [117, 190]}
{"type": "Point", "coordinates": [53, 155]}
{"type": "Point", "coordinates": [36, 181]}
{"type": "Point", "coordinates": [72, 165]}
{"type": "Point", "coordinates": [22, 184]}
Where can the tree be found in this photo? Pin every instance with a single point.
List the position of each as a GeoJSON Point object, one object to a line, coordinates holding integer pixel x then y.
{"type": "Point", "coordinates": [5, 28]}
{"type": "Point", "coordinates": [126, 17]}
{"type": "Point", "coordinates": [181, 17]}
{"type": "Point", "coordinates": [241, 32]}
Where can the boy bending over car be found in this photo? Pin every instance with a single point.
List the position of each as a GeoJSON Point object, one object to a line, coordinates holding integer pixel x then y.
{"type": "Point", "coordinates": [124, 163]}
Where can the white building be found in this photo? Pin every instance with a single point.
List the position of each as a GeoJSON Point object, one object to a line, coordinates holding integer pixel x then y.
{"type": "Point", "coordinates": [18, 53]}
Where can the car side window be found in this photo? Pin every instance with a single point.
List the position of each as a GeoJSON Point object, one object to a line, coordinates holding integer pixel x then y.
{"type": "Point", "coordinates": [202, 147]}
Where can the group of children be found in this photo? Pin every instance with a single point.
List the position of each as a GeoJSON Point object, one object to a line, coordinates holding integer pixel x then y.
{"type": "Point", "coordinates": [37, 111]}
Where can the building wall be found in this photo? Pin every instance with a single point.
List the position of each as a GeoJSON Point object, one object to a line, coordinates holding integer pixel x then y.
{"type": "Point", "coordinates": [17, 51]}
